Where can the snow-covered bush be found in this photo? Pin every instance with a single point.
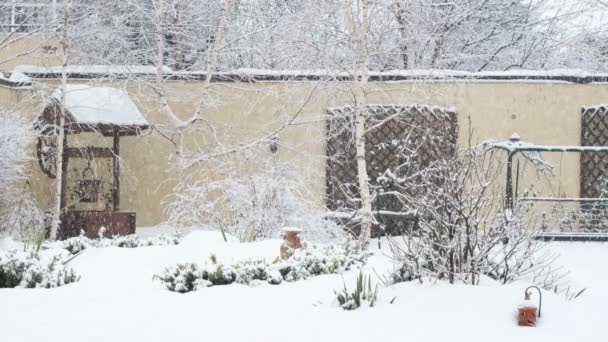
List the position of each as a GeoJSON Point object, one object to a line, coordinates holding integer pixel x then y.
{"type": "Point", "coordinates": [20, 216]}
{"type": "Point", "coordinates": [460, 232]}
{"type": "Point", "coordinates": [182, 278]}
{"type": "Point", "coordinates": [363, 295]}
{"type": "Point", "coordinates": [321, 259]}
{"type": "Point", "coordinates": [28, 270]}
{"type": "Point", "coordinates": [76, 244]}
{"type": "Point", "coordinates": [219, 274]}
{"type": "Point", "coordinates": [253, 207]}
{"type": "Point", "coordinates": [251, 271]}
{"type": "Point", "coordinates": [192, 277]}
{"type": "Point", "coordinates": [305, 263]}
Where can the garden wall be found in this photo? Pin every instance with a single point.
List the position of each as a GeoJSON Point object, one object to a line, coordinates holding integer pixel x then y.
{"type": "Point", "coordinates": [542, 112]}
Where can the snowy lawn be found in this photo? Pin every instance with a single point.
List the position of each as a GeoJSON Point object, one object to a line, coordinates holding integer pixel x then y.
{"type": "Point", "coordinates": [117, 300]}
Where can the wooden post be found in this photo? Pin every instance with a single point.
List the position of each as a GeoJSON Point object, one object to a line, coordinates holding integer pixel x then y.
{"type": "Point", "coordinates": [63, 228]}
{"type": "Point", "coordinates": [509, 184]}
{"type": "Point", "coordinates": [116, 172]}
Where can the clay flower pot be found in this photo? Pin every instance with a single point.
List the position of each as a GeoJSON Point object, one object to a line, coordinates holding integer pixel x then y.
{"type": "Point", "coordinates": [291, 241]}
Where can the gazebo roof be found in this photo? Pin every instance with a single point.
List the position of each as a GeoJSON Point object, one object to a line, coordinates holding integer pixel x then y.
{"type": "Point", "coordinates": [100, 109]}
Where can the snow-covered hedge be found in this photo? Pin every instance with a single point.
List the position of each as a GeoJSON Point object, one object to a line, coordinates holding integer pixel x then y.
{"type": "Point", "coordinates": [28, 270]}
{"type": "Point", "coordinates": [76, 244]}
{"type": "Point", "coordinates": [305, 263]}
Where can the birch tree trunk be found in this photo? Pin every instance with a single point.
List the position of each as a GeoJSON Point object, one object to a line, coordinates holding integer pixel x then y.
{"type": "Point", "coordinates": [359, 30]}
{"type": "Point", "coordinates": [56, 219]}
{"type": "Point", "coordinates": [160, 46]}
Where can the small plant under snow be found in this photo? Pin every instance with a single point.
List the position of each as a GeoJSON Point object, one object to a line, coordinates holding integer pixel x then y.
{"type": "Point", "coordinates": [364, 294]}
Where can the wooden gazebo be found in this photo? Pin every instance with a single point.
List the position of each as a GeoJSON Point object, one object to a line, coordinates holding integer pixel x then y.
{"type": "Point", "coordinates": [108, 112]}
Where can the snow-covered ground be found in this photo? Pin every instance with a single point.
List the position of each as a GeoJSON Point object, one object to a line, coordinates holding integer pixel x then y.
{"type": "Point", "coordinates": [117, 300]}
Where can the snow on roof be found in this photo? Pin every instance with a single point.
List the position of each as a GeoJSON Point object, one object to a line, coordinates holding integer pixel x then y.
{"type": "Point", "coordinates": [428, 73]}
{"type": "Point", "coordinates": [400, 107]}
{"type": "Point", "coordinates": [100, 105]}
{"type": "Point", "coordinates": [90, 69]}
{"type": "Point", "coordinates": [96, 71]}
{"type": "Point", "coordinates": [518, 145]}
{"type": "Point", "coordinates": [16, 80]}
{"type": "Point", "coordinates": [596, 107]}
{"type": "Point", "coordinates": [19, 77]}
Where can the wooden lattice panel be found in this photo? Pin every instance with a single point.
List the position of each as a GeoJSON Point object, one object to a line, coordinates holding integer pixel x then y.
{"type": "Point", "coordinates": [594, 165]}
{"type": "Point", "coordinates": [432, 130]}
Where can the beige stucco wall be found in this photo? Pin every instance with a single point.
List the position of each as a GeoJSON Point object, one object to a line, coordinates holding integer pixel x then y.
{"type": "Point", "coordinates": [23, 48]}
{"type": "Point", "coordinates": [541, 112]}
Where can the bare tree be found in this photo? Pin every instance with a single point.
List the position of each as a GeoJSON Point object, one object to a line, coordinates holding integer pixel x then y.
{"type": "Point", "coordinates": [61, 133]}
{"type": "Point", "coordinates": [27, 24]}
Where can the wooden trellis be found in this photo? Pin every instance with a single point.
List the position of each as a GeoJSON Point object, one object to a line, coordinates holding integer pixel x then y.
{"type": "Point", "coordinates": [594, 166]}
{"type": "Point", "coordinates": [394, 130]}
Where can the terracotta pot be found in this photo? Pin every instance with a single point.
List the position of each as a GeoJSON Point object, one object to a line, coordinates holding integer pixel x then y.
{"type": "Point", "coordinates": [527, 316]}
{"type": "Point", "coordinates": [291, 241]}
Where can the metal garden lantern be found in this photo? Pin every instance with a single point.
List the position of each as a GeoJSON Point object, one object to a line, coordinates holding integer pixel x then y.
{"type": "Point", "coordinates": [528, 311]}
{"type": "Point", "coordinates": [88, 186]}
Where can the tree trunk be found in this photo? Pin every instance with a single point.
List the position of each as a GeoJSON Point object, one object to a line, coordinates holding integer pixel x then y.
{"type": "Point", "coordinates": [400, 15]}
{"type": "Point", "coordinates": [160, 46]}
{"type": "Point", "coordinates": [361, 76]}
{"type": "Point", "coordinates": [366, 202]}
{"type": "Point", "coordinates": [56, 218]}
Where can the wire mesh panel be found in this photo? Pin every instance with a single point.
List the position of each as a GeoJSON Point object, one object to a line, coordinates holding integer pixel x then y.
{"type": "Point", "coordinates": [397, 137]}
{"type": "Point", "coordinates": [569, 215]}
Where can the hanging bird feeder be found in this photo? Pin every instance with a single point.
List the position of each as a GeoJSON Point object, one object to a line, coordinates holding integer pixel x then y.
{"type": "Point", "coordinates": [528, 310]}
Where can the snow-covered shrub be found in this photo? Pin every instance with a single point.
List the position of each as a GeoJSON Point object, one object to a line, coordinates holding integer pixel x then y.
{"type": "Point", "coordinates": [305, 263]}
{"type": "Point", "coordinates": [363, 295]}
{"type": "Point", "coordinates": [76, 244]}
{"type": "Point", "coordinates": [218, 274]}
{"type": "Point", "coordinates": [253, 207]}
{"type": "Point", "coordinates": [28, 270]}
{"type": "Point", "coordinates": [134, 241]}
{"type": "Point", "coordinates": [191, 277]}
{"type": "Point", "coordinates": [251, 271]}
{"type": "Point", "coordinates": [321, 259]}
{"type": "Point", "coordinates": [460, 231]}
{"type": "Point", "coordinates": [183, 278]}
{"type": "Point", "coordinates": [20, 216]}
